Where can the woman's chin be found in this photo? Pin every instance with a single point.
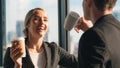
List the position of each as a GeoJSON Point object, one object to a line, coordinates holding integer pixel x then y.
{"type": "Point", "coordinates": [41, 34]}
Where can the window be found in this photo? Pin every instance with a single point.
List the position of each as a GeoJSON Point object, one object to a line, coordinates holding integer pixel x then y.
{"type": "Point", "coordinates": [15, 14]}
{"type": "Point", "coordinates": [74, 36]}
{"type": "Point", "coordinates": [116, 11]}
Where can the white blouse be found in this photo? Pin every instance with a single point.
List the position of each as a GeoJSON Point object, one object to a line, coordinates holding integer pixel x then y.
{"type": "Point", "coordinates": [38, 59]}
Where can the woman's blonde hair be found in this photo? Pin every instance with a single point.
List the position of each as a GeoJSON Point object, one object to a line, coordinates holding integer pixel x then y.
{"type": "Point", "coordinates": [28, 18]}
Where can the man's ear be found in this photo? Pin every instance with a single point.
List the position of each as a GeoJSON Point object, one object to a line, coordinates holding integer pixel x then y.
{"type": "Point", "coordinates": [90, 3]}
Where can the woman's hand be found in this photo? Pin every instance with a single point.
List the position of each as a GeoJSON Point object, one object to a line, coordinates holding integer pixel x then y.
{"type": "Point", "coordinates": [83, 24]}
{"type": "Point", "coordinates": [16, 53]}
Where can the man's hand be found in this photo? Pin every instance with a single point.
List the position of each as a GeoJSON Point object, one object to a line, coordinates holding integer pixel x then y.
{"type": "Point", "coordinates": [83, 24]}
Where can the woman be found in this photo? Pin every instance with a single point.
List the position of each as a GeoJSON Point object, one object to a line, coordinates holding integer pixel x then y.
{"type": "Point", "coordinates": [39, 54]}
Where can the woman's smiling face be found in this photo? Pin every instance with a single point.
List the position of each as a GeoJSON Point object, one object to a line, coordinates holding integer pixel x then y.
{"type": "Point", "coordinates": [38, 25]}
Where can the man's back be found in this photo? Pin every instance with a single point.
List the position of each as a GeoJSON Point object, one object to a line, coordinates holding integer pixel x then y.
{"type": "Point", "coordinates": [99, 46]}
{"type": "Point", "coordinates": [110, 32]}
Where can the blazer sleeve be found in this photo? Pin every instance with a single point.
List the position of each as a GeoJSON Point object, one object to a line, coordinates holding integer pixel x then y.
{"type": "Point", "coordinates": [92, 51]}
{"type": "Point", "coordinates": [8, 63]}
{"type": "Point", "coordinates": [66, 59]}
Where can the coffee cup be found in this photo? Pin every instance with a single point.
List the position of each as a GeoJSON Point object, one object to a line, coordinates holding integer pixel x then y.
{"type": "Point", "coordinates": [21, 42]}
{"type": "Point", "coordinates": [71, 20]}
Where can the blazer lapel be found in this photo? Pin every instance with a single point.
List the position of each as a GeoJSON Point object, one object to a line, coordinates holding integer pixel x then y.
{"type": "Point", "coordinates": [27, 59]}
{"type": "Point", "coordinates": [47, 54]}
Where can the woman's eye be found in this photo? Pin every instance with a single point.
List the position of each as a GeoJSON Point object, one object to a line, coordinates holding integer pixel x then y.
{"type": "Point", "coordinates": [45, 20]}
{"type": "Point", "coordinates": [36, 18]}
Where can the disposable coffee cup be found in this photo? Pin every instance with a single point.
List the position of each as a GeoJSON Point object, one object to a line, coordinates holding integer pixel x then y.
{"type": "Point", "coordinates": [21, 42]}
{"type": "Point", "coordinates": [71, 20]}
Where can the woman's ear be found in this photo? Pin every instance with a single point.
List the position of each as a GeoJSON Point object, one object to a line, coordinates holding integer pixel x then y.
{"type": "Point", "coordinates": [27, 26]}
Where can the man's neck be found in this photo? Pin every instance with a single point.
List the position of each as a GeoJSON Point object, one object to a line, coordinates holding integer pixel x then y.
{"type": "Point", "coordinates": [98, 14]}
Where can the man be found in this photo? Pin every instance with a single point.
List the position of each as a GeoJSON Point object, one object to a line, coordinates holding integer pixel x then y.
{"type": "Point", "coordinates": [99, 46]}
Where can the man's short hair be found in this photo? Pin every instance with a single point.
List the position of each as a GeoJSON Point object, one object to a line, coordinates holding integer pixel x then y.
{"type": "Point", "coordinates": [104, 4]}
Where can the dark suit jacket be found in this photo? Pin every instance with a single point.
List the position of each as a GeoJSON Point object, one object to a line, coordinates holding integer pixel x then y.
{"type": "Point", "coordinates": [54, 56]}
{"type": "Point", "coordinates": [99, 47]}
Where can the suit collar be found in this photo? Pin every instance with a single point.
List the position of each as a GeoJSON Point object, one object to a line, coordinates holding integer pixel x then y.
{"type": "Point", "coordinates": [102, 18]}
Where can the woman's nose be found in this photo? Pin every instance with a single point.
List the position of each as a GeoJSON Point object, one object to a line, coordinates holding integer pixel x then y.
{"type": "Point", "coordinates": [41, 21]}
